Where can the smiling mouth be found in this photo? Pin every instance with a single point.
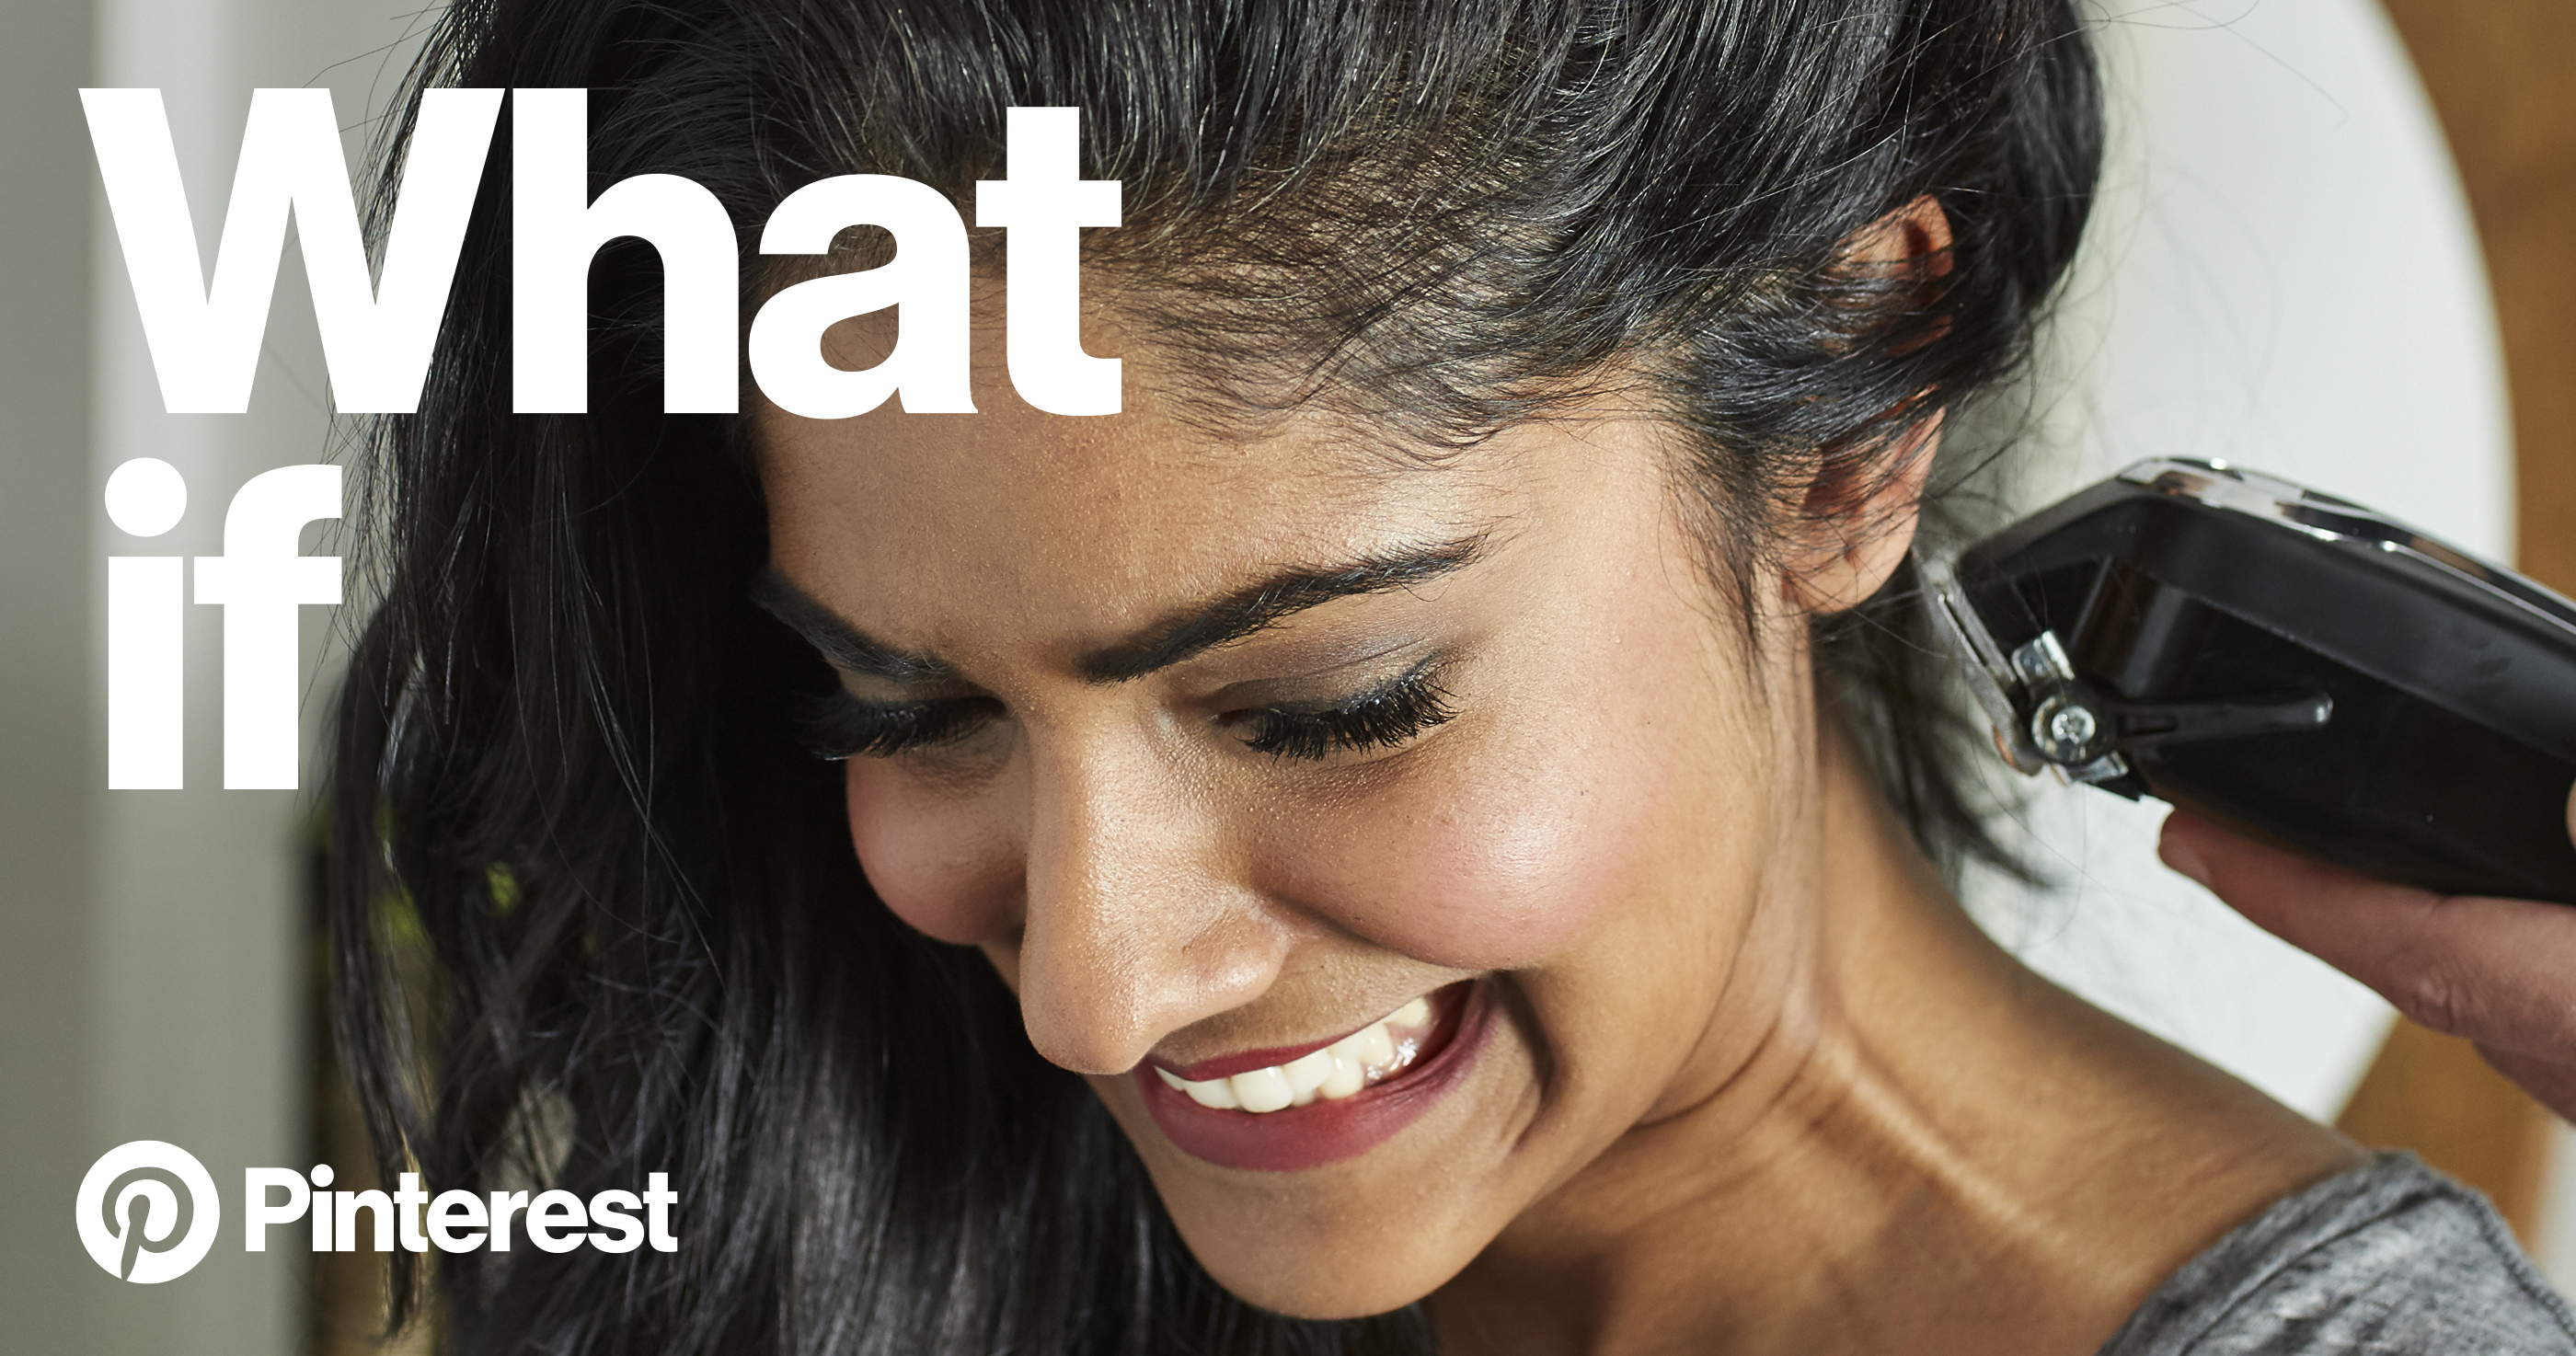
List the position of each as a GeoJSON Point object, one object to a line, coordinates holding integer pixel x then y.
{"type": "Point", "coordinates": [1342, 1068]}
{"type": "Point", "coordinates": [1295, 1107]}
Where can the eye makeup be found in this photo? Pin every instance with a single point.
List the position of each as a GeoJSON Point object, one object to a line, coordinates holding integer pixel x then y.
{"type": "Point", "coordinates": [1387, 714]}
{"type": "Point", "coordinates": [844, 726]}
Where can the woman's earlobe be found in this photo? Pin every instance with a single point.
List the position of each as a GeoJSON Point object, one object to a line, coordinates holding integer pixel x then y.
{"type": "Point", "coordinates": [1848, 548]}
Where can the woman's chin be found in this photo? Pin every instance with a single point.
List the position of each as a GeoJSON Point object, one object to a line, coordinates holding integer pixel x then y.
{"type": "Point", "coordinates": [1343, 1210]}
{"type": "Point", "coordinates": [1356, 1259]}
{"type": "Point", "coordinates": [1325, 1283]}
{"type": "Point", "coordinates": [1327, 1245]}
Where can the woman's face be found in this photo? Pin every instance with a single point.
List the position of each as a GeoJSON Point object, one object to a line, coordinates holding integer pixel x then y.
{"type": "Point", "coordinates": [1227, 752]}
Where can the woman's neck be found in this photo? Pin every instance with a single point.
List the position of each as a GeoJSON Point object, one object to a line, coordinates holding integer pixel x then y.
{"type": "Point", "coordinates": [1906, 1141]}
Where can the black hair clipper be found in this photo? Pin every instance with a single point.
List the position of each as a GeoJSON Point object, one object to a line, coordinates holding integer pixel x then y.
{"type": "Point", "coordinates": [2297, 668]}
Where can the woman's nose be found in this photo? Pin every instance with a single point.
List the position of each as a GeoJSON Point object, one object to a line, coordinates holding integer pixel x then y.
{"type": "Point", "coordinates": [1139, 918]}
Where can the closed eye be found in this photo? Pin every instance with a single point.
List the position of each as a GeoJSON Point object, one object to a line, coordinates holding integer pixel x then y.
{"type": "Point", "coordinates": [842, 726]}
{"type": "Point", "coordinates": [1384, 717]}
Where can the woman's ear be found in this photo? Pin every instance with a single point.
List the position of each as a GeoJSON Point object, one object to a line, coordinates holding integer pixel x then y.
{"type": "Point", "coordinates": [1910, 245]}
{"type": "Point", "coordinates": [1859, 516]}
{"type": "Point", "coordinates": [1897, 264]}
{"type": "Point", "coordinates": [1843, 550]}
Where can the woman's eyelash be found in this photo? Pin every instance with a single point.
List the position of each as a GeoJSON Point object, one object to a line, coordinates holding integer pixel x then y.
{"type": "Point", "coordinates": [841, 726]}
{"type": "Point", "coordinates": [1380, 719]}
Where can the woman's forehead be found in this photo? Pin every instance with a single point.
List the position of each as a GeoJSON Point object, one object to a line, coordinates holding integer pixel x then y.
{"type": "Point", "coordinates": [1012, 517]}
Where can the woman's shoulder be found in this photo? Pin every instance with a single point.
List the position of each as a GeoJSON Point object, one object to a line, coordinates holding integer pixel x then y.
{"type": "Point", "coordinates": [2389, 1258]}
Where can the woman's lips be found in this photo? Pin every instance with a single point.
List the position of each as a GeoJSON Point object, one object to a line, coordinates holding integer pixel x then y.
{"type": "Point", "coordinates": [1226, 1066]}
{"type": "Point", "coordinates": [1277, 1076]}
{"type": "Point", "coordinates": [1325, 1124]}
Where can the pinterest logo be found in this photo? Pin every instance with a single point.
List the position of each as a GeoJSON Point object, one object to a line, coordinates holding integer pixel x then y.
{"type": "Point", "coordinates": [148, 1211]}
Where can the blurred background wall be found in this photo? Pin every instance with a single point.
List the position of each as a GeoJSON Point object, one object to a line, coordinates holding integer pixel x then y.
{"type": "Point", "coordinates": [155, 958]}
{"type": "Point", "coordinates": [2286, 271]}
{"type": "Point", "coordinates": [45, 682]}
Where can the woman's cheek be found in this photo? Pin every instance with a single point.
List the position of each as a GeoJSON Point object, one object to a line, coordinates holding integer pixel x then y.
{"type": "Point", "coordinates": [939, 861]}
{"type": "Point", "coordinates": [1493, 870]}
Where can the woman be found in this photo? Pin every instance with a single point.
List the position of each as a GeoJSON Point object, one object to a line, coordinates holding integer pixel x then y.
{"type": "Point", "coordinates": [1420, 831]}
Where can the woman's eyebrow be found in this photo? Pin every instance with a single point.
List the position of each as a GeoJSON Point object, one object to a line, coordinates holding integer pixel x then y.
{"type": "Point", "coordinates": [1193, 631]}
{"type": "Point", "coordinates": [1272, 601]}
{"type": "Point", "coordinates": [844, 645]}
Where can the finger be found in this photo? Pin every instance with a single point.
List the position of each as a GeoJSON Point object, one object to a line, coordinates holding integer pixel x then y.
{"type": "Point", "coordinates": [2550, 1082]}
{"type": "Point", "coordinates": [2498, 971]}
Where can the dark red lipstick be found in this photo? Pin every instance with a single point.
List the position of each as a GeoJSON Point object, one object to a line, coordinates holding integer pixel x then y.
{"type": "Point", "coordinates": [1243, 1061]}
{"type": "Point", "coordinates": [1323, 1131]}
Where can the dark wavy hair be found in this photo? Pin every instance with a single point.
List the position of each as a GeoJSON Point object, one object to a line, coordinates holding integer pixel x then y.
{"type": "Point", "coordinates": [566, 764]}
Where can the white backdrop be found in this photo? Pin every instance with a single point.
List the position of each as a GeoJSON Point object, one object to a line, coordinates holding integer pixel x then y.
{"type": "Point", "coordinates": [2283, 274]}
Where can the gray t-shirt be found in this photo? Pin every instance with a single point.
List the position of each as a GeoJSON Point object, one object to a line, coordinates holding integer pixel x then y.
{"type": "Point", "coordinates": [2387, 1259]}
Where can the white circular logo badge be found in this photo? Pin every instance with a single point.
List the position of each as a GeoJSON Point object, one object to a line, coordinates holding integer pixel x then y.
{"type": "Point", "coordinates": [148, 1211]}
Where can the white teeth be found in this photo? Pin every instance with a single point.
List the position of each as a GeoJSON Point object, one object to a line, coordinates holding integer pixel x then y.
{"type": "Point", "coordinates": [1349, 1076]}
{"type": "Point", "coordinates": [1309, 1073]}
{"type": "Point", "coordinates": [1369, 1055]}
{"type": "Point", "coordinates": [1216, 1092]}
{"type": "Point", "coordinates": [1263, 1089]}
